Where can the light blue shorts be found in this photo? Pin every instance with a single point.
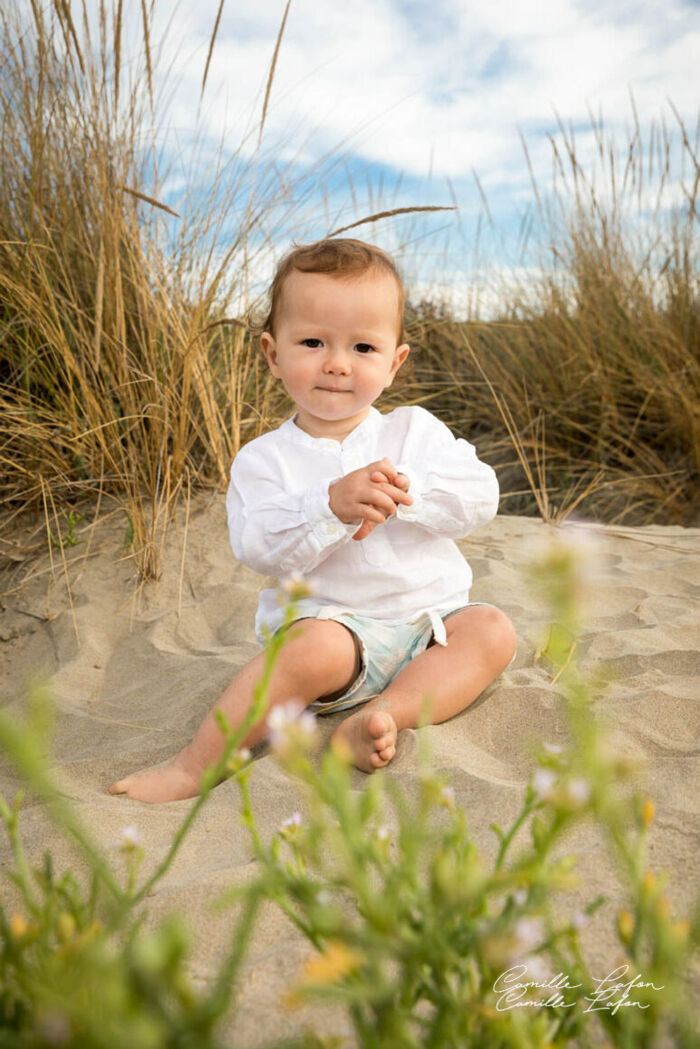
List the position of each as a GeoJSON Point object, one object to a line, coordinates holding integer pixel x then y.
{"type": "Point", "coordinates": [385, 648]}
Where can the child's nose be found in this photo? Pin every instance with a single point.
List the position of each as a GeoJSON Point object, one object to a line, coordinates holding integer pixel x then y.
{"type": "Point", "coordinates": [337, 362]}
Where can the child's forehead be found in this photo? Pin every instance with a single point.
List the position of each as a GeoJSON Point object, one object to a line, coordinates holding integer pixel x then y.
{"type": "Point", "coordinates": [301, 288]}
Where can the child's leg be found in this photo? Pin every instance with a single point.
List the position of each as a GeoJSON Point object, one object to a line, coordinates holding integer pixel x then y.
{"type": "Point", "coordinates": [318, 658]}
{"type": "Point", "coordinates": [480, 644]}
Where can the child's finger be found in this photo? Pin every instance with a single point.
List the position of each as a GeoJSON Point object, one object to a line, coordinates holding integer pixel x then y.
{"type": "Point", "coordinates": [398, 480]}
{"type": "Point", "coordinates": [364, 530]}
{"type": "Point", "coordinates": [396, 495]}
{"type": "Point", "coordinates": [376, 513]}
{"type": "Point", "coordinates": [384, 466]}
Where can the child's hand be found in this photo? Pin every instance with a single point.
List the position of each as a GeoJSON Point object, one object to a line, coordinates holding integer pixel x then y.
{"type": "Point", "coordinates": [398, 480]}
{"type": "Point", "coordinates": [368, 495]}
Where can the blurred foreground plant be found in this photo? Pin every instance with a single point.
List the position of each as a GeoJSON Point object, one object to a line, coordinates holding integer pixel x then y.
{"type": "Point", "coordinates": [423, 940]}
{"type": "Point", "coordinates": [429, 943]}
{"type": "Point", "coordinates": [77, 967]}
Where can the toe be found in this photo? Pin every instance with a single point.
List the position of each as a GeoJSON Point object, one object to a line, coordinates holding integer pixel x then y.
{"type": "Point", "coordinates": [377, 761]}
{"type": "Point", "coordinates": [118, 788]}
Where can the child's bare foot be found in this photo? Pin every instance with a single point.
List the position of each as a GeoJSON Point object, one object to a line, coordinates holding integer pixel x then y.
{"type": "Point", "coordinates": [171, 783]}
{"type": "Point", "coordinates": [371, 735]}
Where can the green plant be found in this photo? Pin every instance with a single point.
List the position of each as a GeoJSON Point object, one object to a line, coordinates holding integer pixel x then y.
{"type": "Point", "coordinates": [428, 943]}
{"type": "Point", "coordinates": [414, 931]}
{"type": "Point", "coordinates": [72, 518]}
{"type": "Point", "coordinates": [77, 967]}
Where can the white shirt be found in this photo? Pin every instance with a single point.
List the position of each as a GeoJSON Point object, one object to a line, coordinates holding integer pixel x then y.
{"type": "Point", "coordinates": [280, 521]}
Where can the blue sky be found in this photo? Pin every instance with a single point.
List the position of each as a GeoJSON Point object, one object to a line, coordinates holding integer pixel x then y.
{"type": "Point", "coordinates": [419, 95]}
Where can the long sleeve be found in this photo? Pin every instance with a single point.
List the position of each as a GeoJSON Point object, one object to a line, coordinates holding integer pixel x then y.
{"type": "Point", "coordinates": [280, 519]}
{"type": "Point", "coordinates": [276, 531]}
{"type": "Point", "coordinates": [453, 491]}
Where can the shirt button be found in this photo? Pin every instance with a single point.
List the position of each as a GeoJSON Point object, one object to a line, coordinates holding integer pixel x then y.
{"type": "Point", "coordinates": [331, 445]}
{"type": "Point", "coordinates": [331, 527]}
{"type": "Point", "coordinates": [408, 510]}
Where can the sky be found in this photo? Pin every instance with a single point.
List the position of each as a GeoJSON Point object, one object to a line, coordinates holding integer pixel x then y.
{"type": "Point", "coordinates": [380, 104]}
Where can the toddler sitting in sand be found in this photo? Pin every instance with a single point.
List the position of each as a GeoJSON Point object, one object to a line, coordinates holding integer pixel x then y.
{"type": "Point", "coordinates": [365, 506]}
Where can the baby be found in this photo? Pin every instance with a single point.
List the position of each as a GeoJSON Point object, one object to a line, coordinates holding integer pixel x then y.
{"type": "Point", "coordinates": [366, 507]}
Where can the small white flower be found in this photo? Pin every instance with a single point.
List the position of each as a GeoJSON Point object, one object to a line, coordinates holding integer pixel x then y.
{"type": "Point", "coordinates": [553, 748]}
{"type": "Point", "coordinates": [447, 797]}
{"type": "Point", "coordinates": [579, 791]}
{"type": "Point", "coordinates": [283, 715]}
{"type": "Point", "coordinates": [543, 781]}
{"type": "Point", "coordinates": [382, 833]}
{"type": "Point", "coordinates": [579, 920]}
{"type": "Point", "coordinates": [295, 820]}
{"type": "Point", "coordinates": [130, 837]}
{"type": "Point", "coordinates": [54, 1028]}
{"type": "Point", "coordinates": [529, 932]}
{"type": "Point", "coordinates": [582, 538]}
{"type": "Point", "coordinates": [238, 760]}
{"type": "Point", "coordinates": [295, 587]}
{"type": "Point", "coordinates": [537, 969]}
{"type": "Point", "coordinates": [520, 896]}
{"type": "Point", "coordinates": [287, 719]}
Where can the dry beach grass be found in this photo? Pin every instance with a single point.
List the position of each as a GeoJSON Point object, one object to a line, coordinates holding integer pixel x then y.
{"type": "Point", "coordinates": [128, 371]}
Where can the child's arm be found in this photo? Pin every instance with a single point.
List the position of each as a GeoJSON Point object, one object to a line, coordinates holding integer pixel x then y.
{"type": "Point", "coordinates": [453, 491]}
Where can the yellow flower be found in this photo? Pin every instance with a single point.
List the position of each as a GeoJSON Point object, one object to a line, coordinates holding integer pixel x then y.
{"type": "Point", "coordinates": [324, 969]}
{"type": "Point", "coordinates": [65, 926]}
{"type": "Point", "coordinates": [330, 967]}
{"type": "Point", "coordinates": [648, 812]}
{"type": "Point", "coordinates": [625, 925]}
{"type": "Point", "coordinates": [663, 907]}
{"type": "Point", "coordinates": [18, 926]}
{"type": "Point", "coordinates": [649, 882]}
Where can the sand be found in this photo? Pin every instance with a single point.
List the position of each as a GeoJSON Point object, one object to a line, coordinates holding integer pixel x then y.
{"type": "Point", "coordinates": [133, 670]}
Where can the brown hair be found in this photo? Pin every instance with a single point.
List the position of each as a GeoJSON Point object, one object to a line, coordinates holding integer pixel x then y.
{"type": "Point", "coordinates": [338, 258]}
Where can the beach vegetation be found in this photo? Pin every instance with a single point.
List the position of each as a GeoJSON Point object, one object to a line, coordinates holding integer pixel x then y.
{"type": "Point", "coordinates": [422, 937]}
{"type": "Point", "coordinates": [72, 519]}
{"type": "Point", "coordinates": [581, 385]}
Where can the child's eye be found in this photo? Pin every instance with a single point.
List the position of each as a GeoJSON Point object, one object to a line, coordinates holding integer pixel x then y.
{"type": "Point", "coordinates": [363, 347]}
{"type": "Point", "coordinates": [313, 344]}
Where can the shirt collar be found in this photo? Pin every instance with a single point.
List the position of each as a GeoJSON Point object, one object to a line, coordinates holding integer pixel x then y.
{"type": "Point", "coordinates": [365, 429]}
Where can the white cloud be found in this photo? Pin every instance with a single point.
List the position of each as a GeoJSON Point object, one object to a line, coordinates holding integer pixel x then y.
{"type": "Point", "coordinates": [400, 81]}
{"type": "Point", "coordinates": [420, 86]}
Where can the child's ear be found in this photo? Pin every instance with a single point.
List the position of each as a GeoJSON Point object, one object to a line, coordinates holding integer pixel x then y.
{"type": "Point", "coordinates": [400, 355]}
{"type": "Point", "coordinates": [269, 348]}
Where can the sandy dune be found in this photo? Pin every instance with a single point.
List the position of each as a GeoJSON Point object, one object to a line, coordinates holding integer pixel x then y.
{"type": "Point", "coordinates": [132, 674]}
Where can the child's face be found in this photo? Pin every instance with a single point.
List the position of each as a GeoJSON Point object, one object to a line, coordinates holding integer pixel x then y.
{"type": "Point", "coordinates": [336, 347]}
